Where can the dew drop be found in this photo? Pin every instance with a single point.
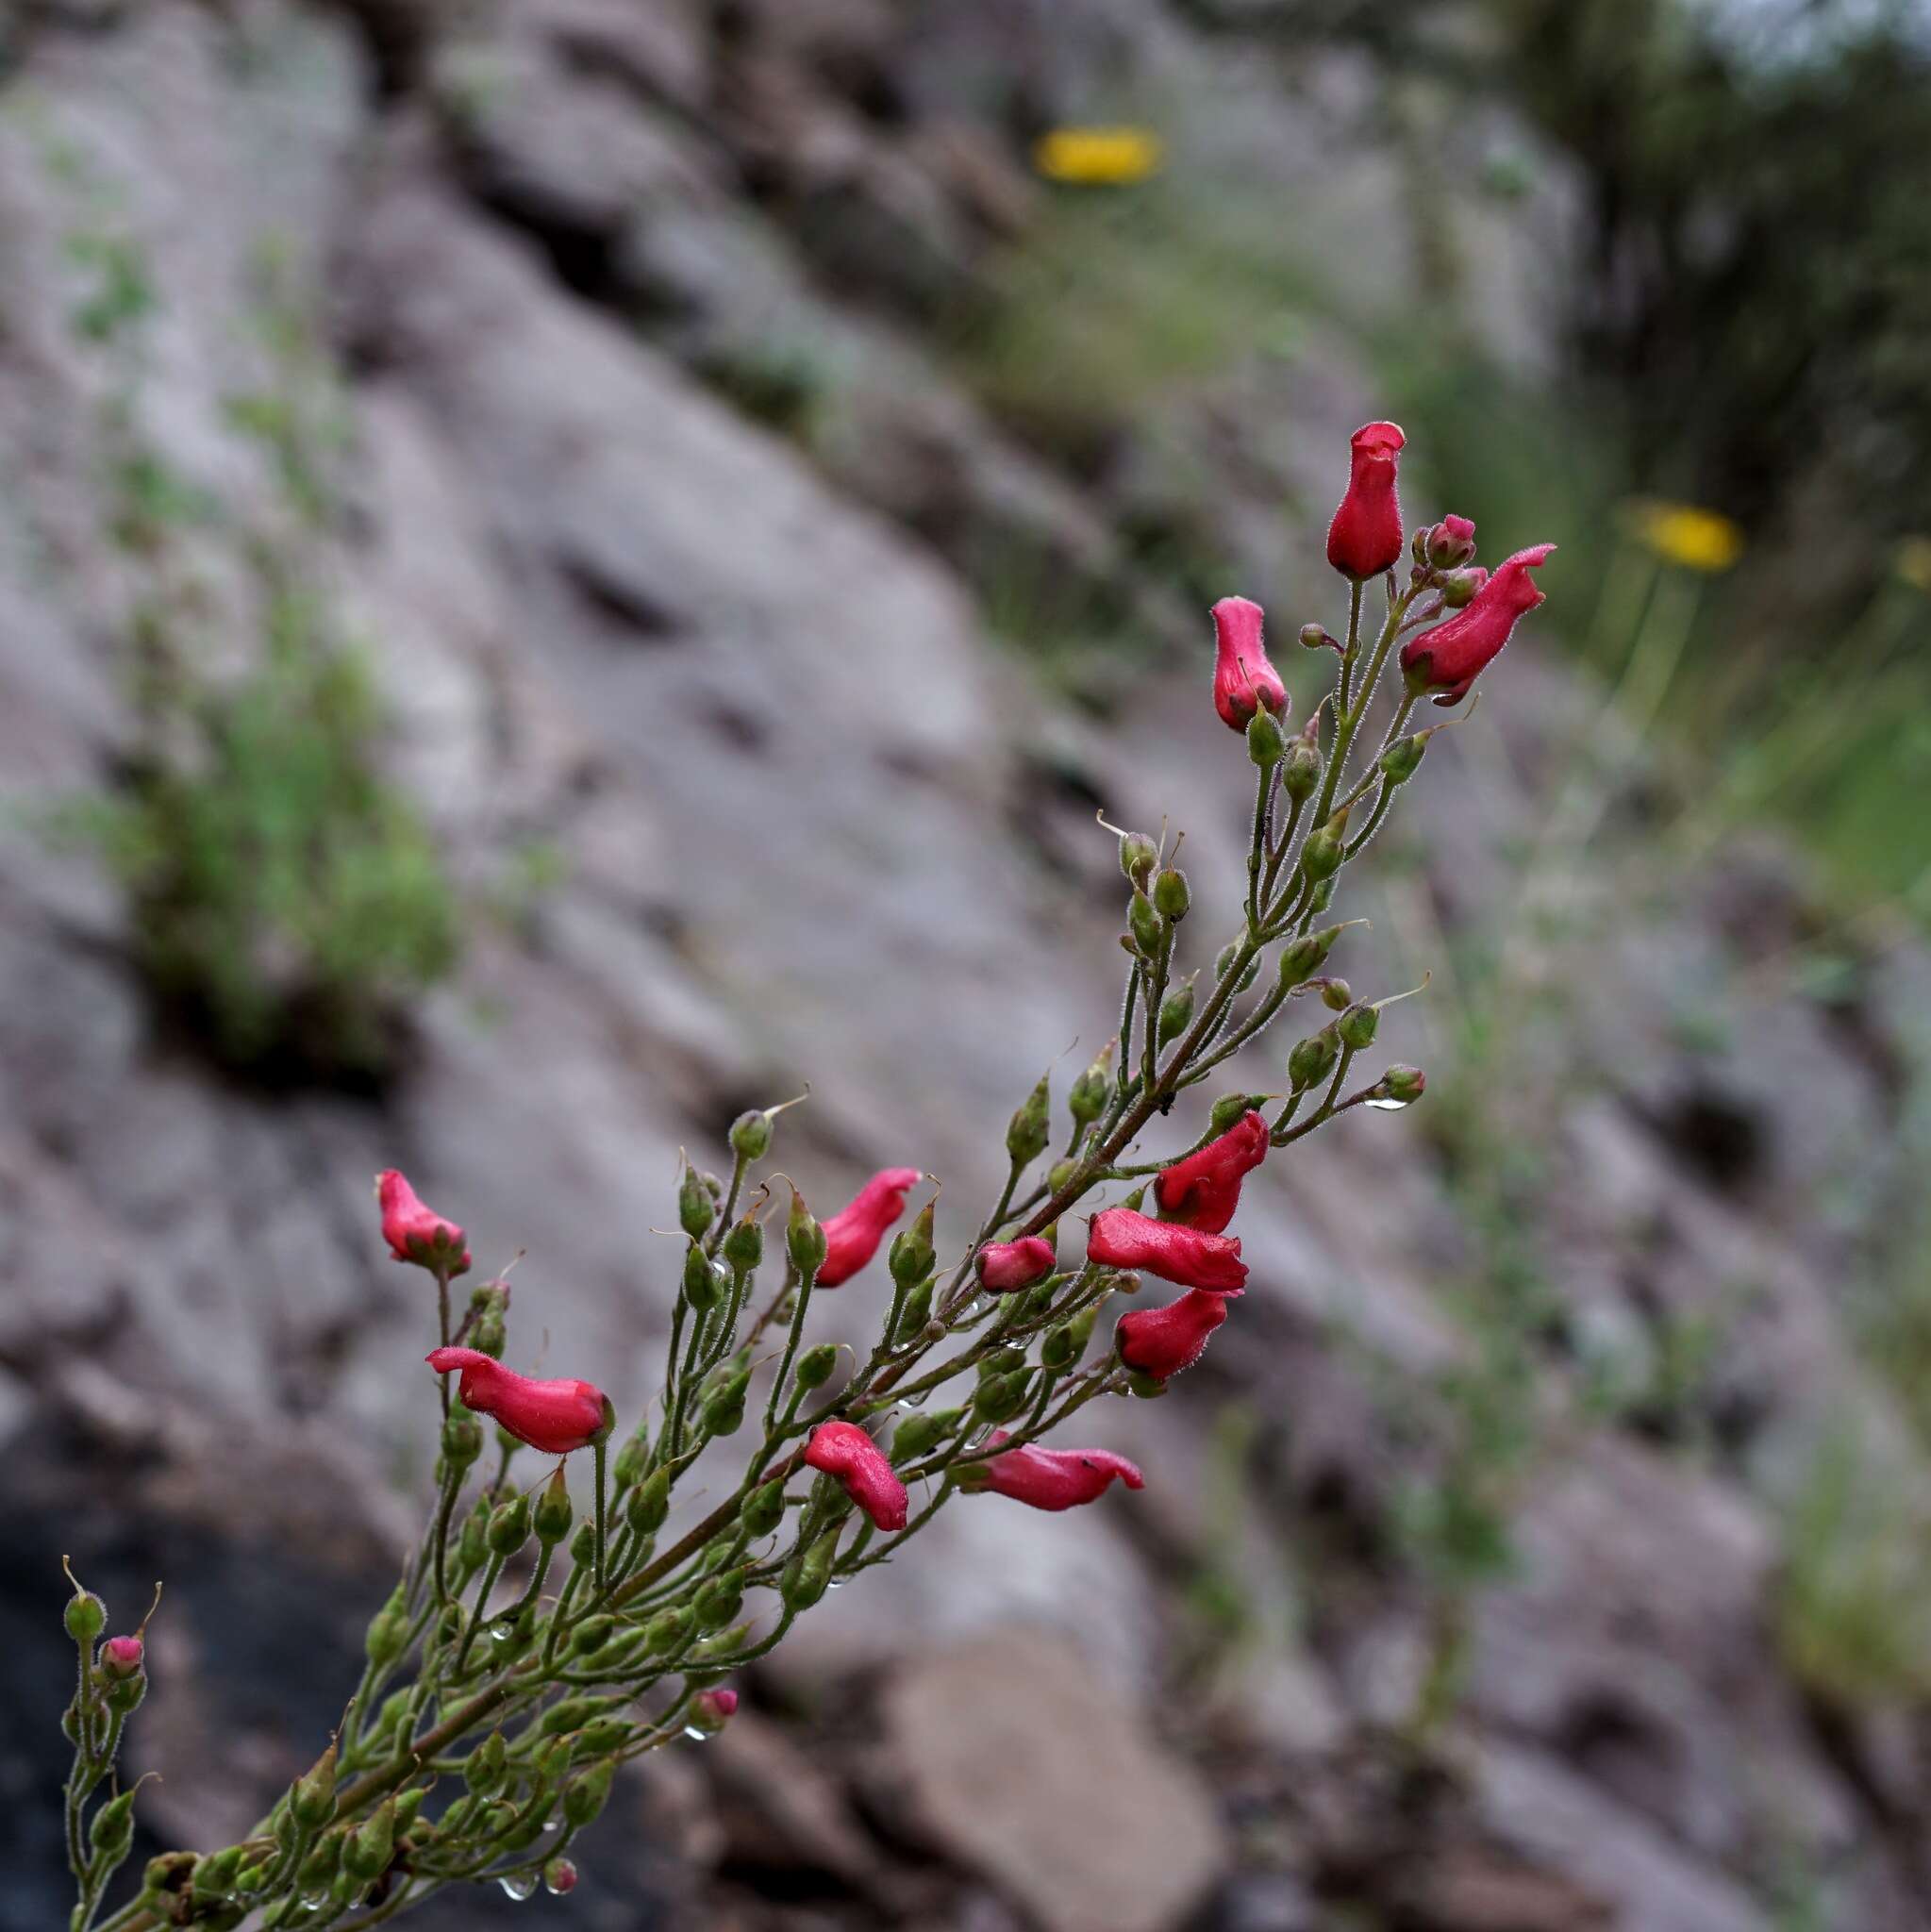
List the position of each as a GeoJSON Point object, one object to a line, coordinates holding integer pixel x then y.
{"type": "Point", "coordinates": [696, 1736]}
{"type": "Point", "coordinates": [518, 1885]}
{"type": "Point", "coordinates": [1389, 1105]}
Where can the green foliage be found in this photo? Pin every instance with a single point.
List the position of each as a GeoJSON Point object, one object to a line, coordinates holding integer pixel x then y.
{"type": "Point", "coordinates": [285, 898]}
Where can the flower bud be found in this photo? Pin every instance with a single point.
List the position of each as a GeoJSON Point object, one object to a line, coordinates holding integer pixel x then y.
{"type": "Point", "coordinates": [122, 1657]}
{"type": "Point", "coordinates": [861, 1469]}
{"type": "Point", "coordinates": [742, 1246]}
{"type": "Point", "coordinates": [85, 1616]}
{"type": "Point", "coordinates": [1337, 995]}
{"type": "Point", "coordinates": [1031, 1127]}
{"type": "Point", "coordinates": [1002, 1361]}
{"type": "Point", "coordinates": [804, 1238]}
{"type": "Point", "coordinates": [593, 1634]}
{"type": "Point", "coordinates": [1311, 1058]}
{"type": "Point", "coordinates": [1403, 758]}
{"type": "Point", "coordinates": [1138, 857]}
{"type": "Point", "coordinates": [649, 1504]}
{"type": "Point", "coordinates": [696, 1209]}
{"type": "Point", "coordinates": [1171, 895]}
{"type": "Point", "coordinates": [1143, 923]}
{"type": "Point", "coordinates": [1265, 744]}
{"type": "Point", "coordinates": [914, 1314]}
{"type": "Point", "coordinates": [912, 1251]}
{"type": "Point", "coordinates": [1224, 960]}
{"type": "Point", "coordinates": [587, 1795]}
{"type": "Point", "coordinates": [750, 1136]}
{"type": "Point", "coordinates": [113, 1826]}
{"type": "Point", "coordinates": [1322, 856]}
{"type": "Point", "coordinates": [462, 1439]}
{"type": "Point", "coordinates": [312, 1797]}
{"type": "Point", "coordinates": [764, 1509]}
{"type": "Point", "coordinates": [1357, 1025]}
{"type": "Point", "coordinates": [1087, 1100]}
{"type": "Point", "coordinates": [489, 1337]}
{"type": "Point", "coordinates": [1458, 587]}
{"type": "Point", "coordinates": [710, 1710]}
{"type": "Point", "coordinates": [1230, 1108]}
{"type": "Point", "coordinates": [367, 1850]}
{"type": "Point", "coordinates": [1449, 542]}
{"type": "Point", "coordinates": [667, 1630]}
{"type": "Point", "coordinates": [1003, 1267]}
{"type": "Point", "coordinates": [632, 1459]}
{"type": "Point", "coordinates": [583, 1545]}
{"type": "Point", "coordinates": [1365, 537]}
{"type": "Point", "coordinates": [559, 1877]}
{"type": "Point", "coordinates": [723, 1413]}
{"type": "Point", "coordinates": [1403, 1084]}
{"type": "Point", "coordinates": [483, 1769]}
{"type": "Point", "coordinates": [1301, 773]}
{"type": "Point", "coordinates": [553, 1514]}
{"type": "Point", "coordinates": [389, 1631]}
{"type": "Point", "coordinates": [705, 1283]}
{"type": "Point", "coordinates": [1314, 637]}
{"type": "Point", "coordinates": [814, 1367]}
{"type": "Point", "coordinates": [1176, 1010]}
{"type": "Point", "coordinates": [918, 1432]}
{"type": "Point", "coordinates": [999, 1398]}
{"type": "Point", "coordinates": [416, 1232]}
{"type": "Point", "coordinates": [717, 1601]}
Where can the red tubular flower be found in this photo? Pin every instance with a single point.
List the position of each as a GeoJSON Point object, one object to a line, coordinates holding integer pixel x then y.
{"type": "Point", "coordinates": [1448, 657]}
{"type": "Point", "coordinates": [416, 1233]}
{"type": "Point", "coordinates": [1243, 678]}
{"type": "Point", "coordinates": [556, 1416]}
{"type": "Point", "coordinates": [121, 1656]}
{"type": "Point", "coordinates": [1204, 1189]}
{"type": "Point", "coordinates": [1162, 1341]}
{"type": "Point", "coordinates": [845, 1451]}
{"type": "Point", "coordinates": [1057, 1478]}
{"type": "Point", "coordinates": [852, 1234]}
{"type": "Point", "coordinates": [1003, 1266]}
{"type": "Point", "coordinates": [1365, 537]}
{"type": "Point", "coordinates": [1119, 1237]}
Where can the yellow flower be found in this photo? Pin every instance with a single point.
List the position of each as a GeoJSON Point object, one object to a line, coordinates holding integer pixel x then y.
{"type": "Point", "coordinates": [1098, 156]}
{"type": "Point", "coordinates": [1682, 534]}
{"type": "Point", "coordinates": [1913, 561]}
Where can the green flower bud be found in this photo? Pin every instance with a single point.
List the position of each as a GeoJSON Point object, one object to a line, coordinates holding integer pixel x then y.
{"type": "Point", "coordinates": [804, 1237]}
{"type": "Point", "coordinates": [1148, 1388]}
{"type": "Point", "coordinates": [912, 1251]}
{"type": "Point", "coordinates": [703, 1283]}
{"type": "Point", "coordinates": [1087, 1100]}
{"type": "Point", "coordinates": [113, 1826]}
{"type": "Point", "coordinates": [370, 1847]}
{"type": "Point", "coordinates": [1401, 1085]}
{"type": "Point", "coordinates": [742, 1246]}
{"type": "Point", "coordinates": [583, 1545]}
{"type": "Point", "coordinates": [1403, 758]}
{"type": "Point", "coordinates": [723, 1413]}
{"type": "Point", "coordinates": [593, 1634]}
{"type": "Point", "coordinates": [123, 1695]}
{"type": "Point", "coordinates": [483, 1769]}
{"type": "Point", "coordinates": [1001, 1361]}
{"type": "Point", "coordinates": [696, 1209]}
{"type": "Point", "coordinates": [1058, 1352]}
{"type": "Point", "coordinates": [85, 1616]}
{"type": "Point", "coordinates": [1265, 744]}
{"type": "Point", "coordinates": [1002, 1397]}
{"type": "Point", "coordinates": [1301, 773]}
{"type": "Point", "coordinates": [1303, 958]}
{"type": "Point", "coordinates": [667, 1630]}
{"type": "Point", "coordinates": [489, 1337]}
{"type": "Point", "coordinates": [587, 1795]}
{"type": "Point", "coordinates": [319, 1868]}
{"type": "Point", "coordinates": [553, 1514]}
{"type": "Point", "coordinates": [1337, 995]}
{"type": "Point", "coordinates": [1357, 1025]}
{"type": "Point", "coordinates": [763, 1510]}
{"type": "Point", "coordinates": [1321, 857]}
{"type": "Point", "coordinates": [509, 1526]}
{"type": "Point", "coordinates": [1230, 1108]}
{"type": "Point", "coordinates": [719, 1601]}
{"type": "Point", "coordinates": [750, 1136]}
{"type": "Point", "coordinates": [1030, 1127]}
{"type": "Point", "coordinates": [1224, 960]}
{"type": "Point", "coordinates": [601, 1736]}
{"type": "Point", "coordinates": [1171, 895]}
{"type": "Point", "coordinates": [1312, 1058]}
{"type": "Point", "coordinates": [389, 1631]}
{"type": "Point", "coordinates": [815, 1365]}
{"type": "Point", "coordinates": [1177, 1009]}
{"type": "Point", "coordinates": [312, 1797]}
{"type": "Point", "coordinates": [914, 1315]}
{"type": "Point", "coordinates": [920, 1431]}
{"type": "Point", "coordinates": [463, 1439]}
{"type": "Point", "coordinates": [649, 1504]}
{"type": "Point", "coordinates": [631, 1461]}
{"type": "Point", "coordinates": [1138, 857]}
{"type": "Point", "coordinates": [1143, 923]}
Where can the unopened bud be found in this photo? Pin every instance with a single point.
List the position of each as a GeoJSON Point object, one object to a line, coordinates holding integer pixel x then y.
{"type": "Point", "coordinates": [703, 1283]}
{"type": "Point", "coordinates": [1337, 995]}
{"type": "Point", "coordinates": [717, 1601]}
{"type": "Point", "coordinates": [1138, 858]}
{"type": "Point", "coordinates": [311, 1798]}
{"type": "Point", "coordinates": [553, 1514]}
{"type": "Point", "coordinates": [1314, 637]}
{"type": "Point", "coordinates": [917, 1433]}
{"type": "Point", "coordinates": [1059, 1174]}
{"type": "Point", "coordinates": [649, 1504]}
{"type": "Point", "coordinates": [1458, 587]}
{"type": "Point", "coordinates": [559, 1877]}
{"type": "Point", "coordinates": [1001, 1398]}
{"type": "Point", "coordinates": [1224, 960]}
{"type": "Point", "coordinates": [1321, 857]}
{"type": "Point", "coordinates": [463, 1439]}
{"type": "Point", "coordinates": [1148, 1388]}
{"type": "Point", "coordinates": [1404, 1083]}
{"type": "Point", "coordinates": [585, 1796]}
{"type": "Point", "coordinates": [667, 1630]}
{"type": "Point", "coordinates": [1311, 1058]}
{"type": "Point", "coordinates": [1230, 1108]}
{"type": "Point", "coordinates": [1030, 1127]}
{"type": "Point", "coordinates": [389, 1631]}
{"type": "Point", "coordinates": [631, 1461]}
{"type": "Point", "coordinates": [1177, 1009]}
{"type": "Point", "coordinates": [750, 1136]}
{"type": "Point", "coordinates": [1449, 542]}
{"type": "Point", "coordinates": [804, 1237]}
{"type": "Point", "coordinates": [1087, 1100]}
{"type": "Point", "coordinates": [593, 1634]}
{"type": "Point", "coordinates": [367, 1849]}
{"type": "Point", "coordinates": [1265, 744]}
{"type": "Point", "coordinates": [1143, 923]}
{"type": "Point", "coordinates": [483, 1769]}
{"type": "Point", "coordinates": [914, 1314]}
{"type": "Point", "coordinates": [123, 1657]}
{"type": "Point", "coordinates": [583, 1545]}
{"type": "Point", "coordinates": [912, 1251]}
{"type": "Point", "coordinates": [724, 1412]}
{"type": "Point", "coordinates": [85, 1616]}
{"type": "Point", "coordinates": [696, 1208]}
{"type": "Point", "coordinates": [1357, 1025]}
{"type": "Point", "coordinates": [1171, 895]}
{"type": "Point", "coordinates": [1403, 758]}
{"type": "Point", "coordinates": [763, 1510]}
{"type": "Point", "coordinates": [814, 1367]}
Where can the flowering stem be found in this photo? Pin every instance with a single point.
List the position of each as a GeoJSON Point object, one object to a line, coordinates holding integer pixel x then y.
{"type": "Point", "coordinates": [442, 1327]}
{"type": "Point", "coordinates": [597, 1450]}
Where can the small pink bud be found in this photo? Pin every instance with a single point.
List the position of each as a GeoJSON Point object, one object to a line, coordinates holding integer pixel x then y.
{"type": "Point", "coordinates": [560, 1876]}
{"type": "Point", "coordinates": [1450, 542]}
{"type": "Point", "coordinates": [1365, 537]}
{"type": "Point", "coordinates": [710, 1710]}
{"type": "Point", "coordinates": [1003, 1266]}
{"type": "Point", "coordinates": [554, 1416]}
{"type": "Point", "coordinates": [852, 1234]}
{"type": "Point", "coordinates": [1243, 679]}
{"type": "Point", "coordinates": [1204, 1189]}
{"type": "Point", "coordinates": [1056, 1478]}
{"type": "Point", "coordinates": [417, 1233]}
{"type": "Point", "coordinates": [845, 1452]}
{"type": "Point", "coordinates": [1119, 1237]}
{"type": "Point", "coordinates": [122, 1657]}
{"type": "Point", "coordinates": [1162, 1341]}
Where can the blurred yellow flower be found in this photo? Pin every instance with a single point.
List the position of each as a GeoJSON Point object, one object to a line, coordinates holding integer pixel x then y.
{"type": "Point", "coordinates": [1912, 562]}
{"type": "Point", "coordinates": [1680, 533]}
{"type": "Point", "coordinates": [1101, 157]}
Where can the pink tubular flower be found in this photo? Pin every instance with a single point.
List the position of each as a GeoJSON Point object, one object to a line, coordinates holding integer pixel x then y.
{"type": "Point", "coordinates": [1243, 678]}
{"type": "Point", "coordinates": [1057, 1478]}
{"type": "Point", "coordinates": [1162, 1341]}
{"type": "Point", "coordinates": [852, 1234]}
{"type": "Point", "coordinates": [556, 1416]}
{"type": "Point", "coordinates": [1448, 657]}
{"type": "Point", "coordinates": [862, 1469]}
{"type": "Point", "coordinates": [121, 1656]}
{"type": "Point", "coordinates": [1119, 1237]}
{"type": "Point", "coordinates": [1203, 1190]}
{"type": "Point", "coordinates": [1365, 537]}
{"type": "Point", "coordinates": [1003, 1266]}
{"type": "Point", "coordinates": [416, 1233]}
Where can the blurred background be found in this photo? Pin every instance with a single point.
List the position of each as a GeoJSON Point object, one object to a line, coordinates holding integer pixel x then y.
{"type": "Point", "coordinates": [568, 567]}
